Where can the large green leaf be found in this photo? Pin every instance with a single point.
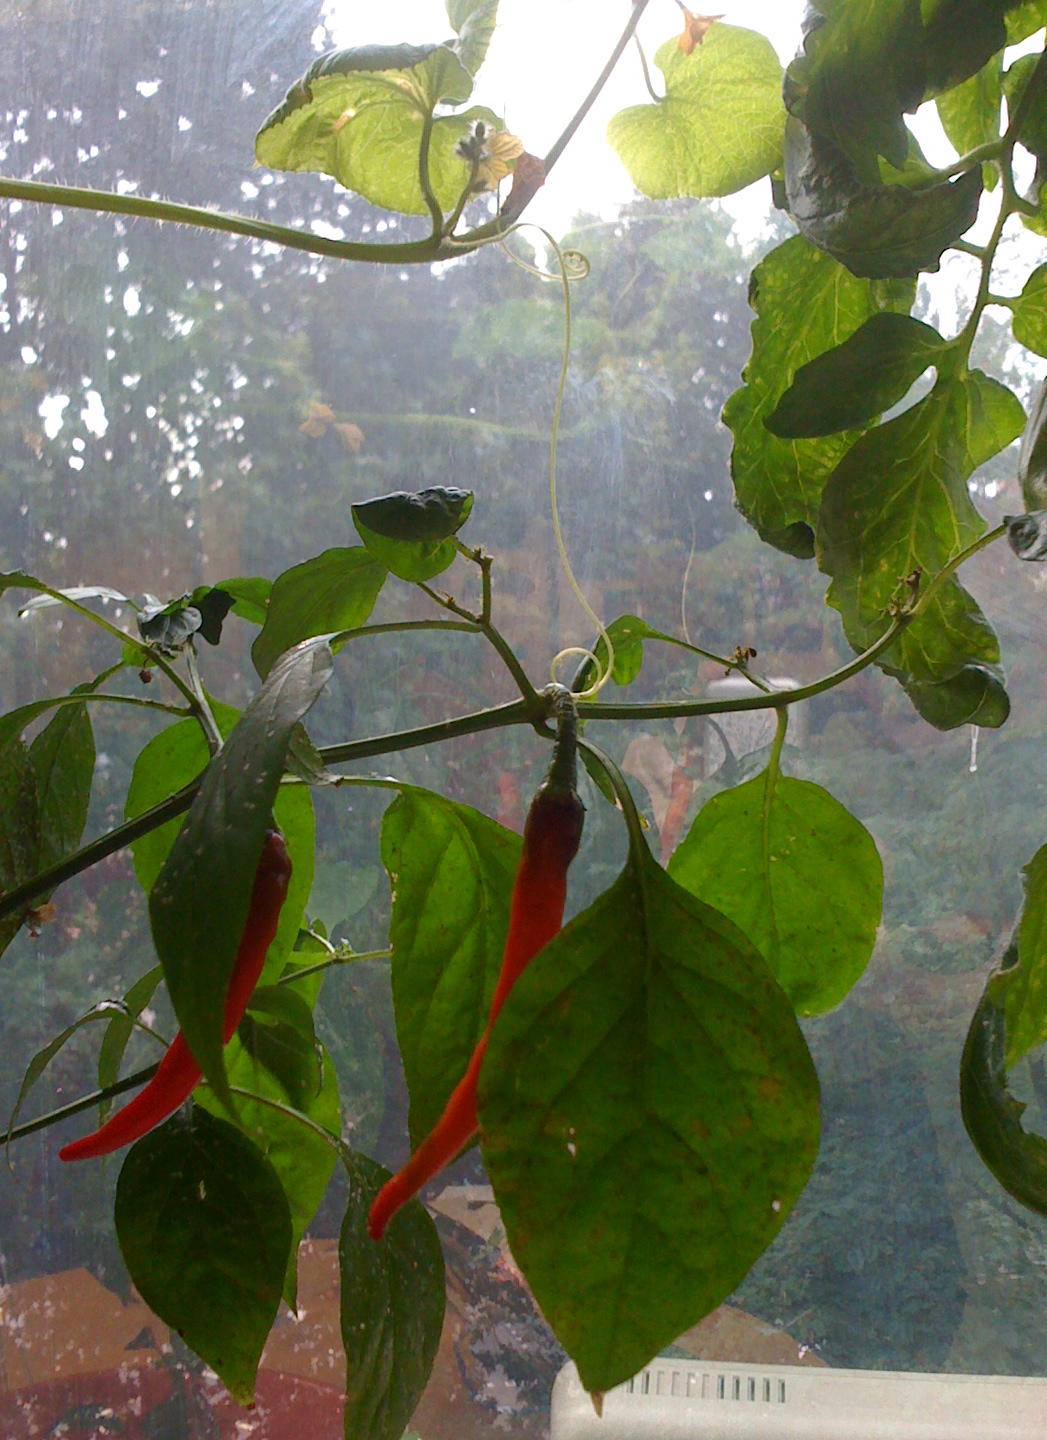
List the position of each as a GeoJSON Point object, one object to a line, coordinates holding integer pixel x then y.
{"type": "Point", "coordinates": [359, 115]}
{"type": "Point", "coordinates": [451, 870]}
{"type": "Point", "coordinates": [970, 114]}
{"type": "Point", "coordinates": [392, 1308]}
{"type": "Point", "coordinates": [848, 387]}
{"type": "Point", "coordinates": [412, 534]}
{"type": "Point", "coordinates": [1026, 996]}
{"type": "Point", "coordinates": [876, 230]}
{"type": "Point", "coordinates": [719, 125]}
{"type": "Point", "coordinates": [649, 1113]}
{"type": "Point", "coordinates": [898, 504]}
{"type": "Point", "coordinates": [473, 21]}
{"type": "Point", "coordinates": [334, 591]}
{"type": "Point", "coordinates": [1029, 316]}
{"type": "Point", "coordinates": [804, 882]}
{"type": "Point", "coordinates": [805, 303]}
{"type": "Point", "coordinates": [63, 756]}
{"type": "Point", "coordinates": [303, 1160]}
{"type": "Point", "coordinates": [199, 903]}
{"type": "Point", "coordinates": [176, 757]}
{"type": "Point", "coordinates": [991, 1114]}
{"type": "Point", "coordinates": [19, 827]}
{"type": "Point", "coordinates": [866, 62]}
{"type": "Point", "coordinates": [205, 1232]}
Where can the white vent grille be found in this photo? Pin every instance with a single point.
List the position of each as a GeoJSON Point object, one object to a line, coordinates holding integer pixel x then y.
{"type": "Point", "coordinates": [708, 1400]}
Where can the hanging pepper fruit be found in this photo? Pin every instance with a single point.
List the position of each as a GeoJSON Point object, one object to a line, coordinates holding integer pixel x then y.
{"type": "Point", "coordinates": [552, 834]}
{"type": "Point", "coordinates": [179, 1074]}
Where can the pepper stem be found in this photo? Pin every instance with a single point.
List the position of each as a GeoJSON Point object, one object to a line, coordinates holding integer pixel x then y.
{"type": "Point", "coordinates": [563, 771]}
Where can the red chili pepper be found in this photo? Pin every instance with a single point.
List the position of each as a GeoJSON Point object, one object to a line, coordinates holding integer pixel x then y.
{"type": "Point", "coordinates": [179, 1074]}
{"type": "Point", "coordinates": [551, 838]}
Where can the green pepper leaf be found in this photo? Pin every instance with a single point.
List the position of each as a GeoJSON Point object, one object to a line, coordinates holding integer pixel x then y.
{"type": "Point", "coordinates": [250, 596]}
{"type": "Point", "coordinates": [19, 828]}
{"type": "Point", "coordinates": [120, 1029]}
{"type": "Point", "coordinates": [335, 591]}
{"type": "Point", "coordinates": [991, 1114]}
{"type": "Point", "coordinates": [205, 1231]}
{"type": "Point", "coordinates": [1029, 316]}
{"type": "Point", "coordinates": [804, 882]}
{"type": "Point", "coordinates": [392, 1308]}
{"type": "Point", "coordinates": [360, 116]}
{"type": "Point", "coordinates": [451, 870]}
{"type": "Point", "coordinates": [645, 1078]}
{"type": "Point", "coordinates": [970, 114]}
{"type": "Point", "coordinates": [848, 387]}
{"type": "Point", "coordinates": [805, 303]}
{"type": "Point", "coordinates": [63, 756]}
{"type": "Point", "coordinates": [277, 1031]}
{"type": "Point", "coordinates": [877, 231]}
{"type": "Point", "coordinates": [303, 1160]}
{"type": "Point", "coordinates": [719, 125]}
{"type": "Point", "coordinates": [178, 756]}
{"type": "Point", "coordinates": [1026, 991]}
{"type": "Point", "coordinates": [412, 535]}
{"type": "Point", "coordinates": [199, 903]}
{"type": "Point", "coordinates": [898, 504]}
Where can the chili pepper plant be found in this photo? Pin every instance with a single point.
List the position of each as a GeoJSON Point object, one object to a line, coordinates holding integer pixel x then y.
{"type": "Point", "coordinates": [645, 1088]}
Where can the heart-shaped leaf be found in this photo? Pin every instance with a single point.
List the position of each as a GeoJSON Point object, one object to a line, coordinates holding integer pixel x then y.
{"type": "Point", "coordinates": [719, 125]}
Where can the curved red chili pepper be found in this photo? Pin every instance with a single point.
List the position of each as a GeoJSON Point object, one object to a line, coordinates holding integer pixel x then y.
{"type": "Point", "coordinates": [179, 1074]}
{"type": "Point", "coordinates": [552, 835]}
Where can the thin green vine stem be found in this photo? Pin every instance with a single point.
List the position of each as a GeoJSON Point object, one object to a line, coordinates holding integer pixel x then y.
{"type": "Point", "coordinates": [485, 626]}
{"type": "Point", "coordinates": [204, 714]}
{"type": "Point", "coordinates": [637, 841]}
{"type": "Point", "coordinates": [89, 697]}
{"type": "Point", "coordinates": [425, 181]}
{"type": "Point", "coordinates": [335, 1141]}
{"type": "Point", "coordinates": [331, 962]}
{"type": "Point", "coordinates": [85, 1102]}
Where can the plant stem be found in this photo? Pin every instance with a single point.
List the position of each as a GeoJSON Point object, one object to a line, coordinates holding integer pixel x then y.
{"type": "Point", "coordinates": [292, 1114]}
{"type": "Point", "coordinates": [330, 962]}
{"type": "Point", "coordinates": [118, 1087]}
{"type": "Point", "coordinates": [647, 74]}
{"type": "Point", "coordinates": [203, 712]}
{"type": "Point", "coordinates": [425, 182]}
{"type": "Point", "coordinates": [484, 624]}
{"type": "Point", "coordinates": [637, 842]}
{"type": "Point", "coordinates": [88, 697]}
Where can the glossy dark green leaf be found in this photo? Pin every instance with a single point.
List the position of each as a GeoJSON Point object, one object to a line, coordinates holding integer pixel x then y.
{"type": "Point", "coordinates": [451, 870]}
{"type": "Point", "coordinates": [875, 230]}
{"type": "Point", "coordinates": [19, 827]}
{"type": "Point", "coordinates": [205, 1231]}
{"type": "Point", "coordinates": [473, 21]}
{"type": "Point", "coordinates": [719, 125]}
{"type": "Point", "coordinates": [63, 756]}
{"type": "Point", "coordinates": [970, 114]}
{"type": "Point", "coordinates": [649, 1113]}
{"type": "Point", "coordinates": [1026, 991]}
{"type": "Point", "coordinates": [177, 756]}
{"type": "Point", "coordinates": [975, 695]}
{"type": "Point", "coordinates": [897, 504]}
{"type": "Point", "coordinates": [213, 604]}
{"type": "Point", "coordinates": [392, 1308]}
{"type": "Point", "coordinates": [359, 116]}
{"type": "Point", "coordinates": [848, 387]}
{"type": "Point", "coordinates": [120, 1029]}
{"type": "Point", "coordinates": [865, 63]}
{"type": "Point", "coordinates": [335, 591]}
{"type": "Point", "coordinates": [991, 1114]}
{"type": "Point", "coordinates": [412, 534]}
{"type": "Point", "coordinates": [277, 1032]}
{"type": "Point", "coordinates": [804, 881]}
{"type": "Point", "coordinates": [805, 303]}
{"type": "Point", "coordinates": [198, 905]}
{"type": "Point", "coordinates": [303, 1160]}
{"type": "Point", "coordinates": [436, 513]}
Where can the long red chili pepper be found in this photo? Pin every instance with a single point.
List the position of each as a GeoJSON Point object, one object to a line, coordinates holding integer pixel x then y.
{"type": "Point", "coordinates": [179, 1074]}
{"type": "Point", "coordinates": [551, 838]}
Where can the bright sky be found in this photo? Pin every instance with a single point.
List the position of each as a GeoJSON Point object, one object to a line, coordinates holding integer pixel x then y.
{"type": "Point", "coordinates": [542, 61]}
{"type": "Point", "coordinates": [546, 54]}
